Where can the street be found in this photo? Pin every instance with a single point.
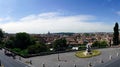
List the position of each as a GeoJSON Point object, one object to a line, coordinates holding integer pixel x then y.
{"type": "Point", "coordinates": [66, 60]}
{"type": "Point", "coordinates": [69, 59]}
{"type": "Point", "coordinates": [10, 62]}
{"type": "Point", "coordinates": [113, 63]}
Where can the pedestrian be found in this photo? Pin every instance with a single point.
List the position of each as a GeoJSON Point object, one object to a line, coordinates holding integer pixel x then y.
{"type": "Point", "coordinates": [31, 62]}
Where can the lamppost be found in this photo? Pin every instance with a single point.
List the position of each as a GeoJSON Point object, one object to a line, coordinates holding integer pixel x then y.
{"type": "Point", "coordinates": [58, 53]}
{"type": "Point", "coordinates": [58, 56]}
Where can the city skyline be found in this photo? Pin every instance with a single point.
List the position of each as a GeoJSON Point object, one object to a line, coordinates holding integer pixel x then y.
{"type": "Point", "coordinates": [41, 16]}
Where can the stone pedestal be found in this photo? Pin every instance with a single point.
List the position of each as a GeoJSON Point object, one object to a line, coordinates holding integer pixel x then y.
{"type": "Point", "coordinates": [87, 53]}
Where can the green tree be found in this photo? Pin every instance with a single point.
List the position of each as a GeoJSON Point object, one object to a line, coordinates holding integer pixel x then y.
{"type": "Point", "coordinates": [103, 44]}
{"type": "Point", "coordinates": [86, 34]}
{"type": "Point", "coordinates": [96, 44]}
{"type": "Point", "coordinates": [60, 44]}
{"type": "Point", "coordinates": [116, 34]}
{"type": "Point", "coordinates": [22, 40]}
{"type": "Point", "coordinates": [9, 44]}
{"type": "Point", "coordinates": [99, 44]}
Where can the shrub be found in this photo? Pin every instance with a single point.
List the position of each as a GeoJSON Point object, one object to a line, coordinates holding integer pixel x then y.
{"type": "Point", "coordinates": [99, 44]}
{"type": "Point", "coordinates": [80, 54]}
{"type": "Point", "coordinates": [37, 48]}
{"type": "Point", "coordinates": [20, 52]}
{"type": "Point", "coordinates": [24, 52]}
{"type": "Point", "coordinates": [16, 50]}
{"type": "Point", "coordinates": [82, 47]}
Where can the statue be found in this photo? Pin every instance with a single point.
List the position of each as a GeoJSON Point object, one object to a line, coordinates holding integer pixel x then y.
{"type": "Point", "coordinates": [88, 49]}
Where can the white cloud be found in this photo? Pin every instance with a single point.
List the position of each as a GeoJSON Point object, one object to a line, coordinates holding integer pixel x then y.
{"type": "Point", "coordinates": [55, 22]}
{"type": "Point", "coordinates": [1, 19]}
{"type": "Point", "coordinates": [5, 19]}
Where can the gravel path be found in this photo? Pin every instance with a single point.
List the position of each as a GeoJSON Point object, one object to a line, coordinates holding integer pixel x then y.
{"type": "Point", "coordinates": [69, 59]}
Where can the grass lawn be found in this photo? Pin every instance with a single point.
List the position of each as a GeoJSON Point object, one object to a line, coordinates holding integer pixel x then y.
{"type": "Point", "coordinates": [81, 54]}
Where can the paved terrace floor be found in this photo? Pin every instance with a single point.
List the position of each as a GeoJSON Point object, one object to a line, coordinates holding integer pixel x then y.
{"type": "Point", "coordinates": [69, 59]}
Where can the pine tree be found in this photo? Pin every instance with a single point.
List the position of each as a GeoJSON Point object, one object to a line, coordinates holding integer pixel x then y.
{"type": "Point", "coordinates": [116, 34]}
{"type": "Point", "coordinates": [1, 35]}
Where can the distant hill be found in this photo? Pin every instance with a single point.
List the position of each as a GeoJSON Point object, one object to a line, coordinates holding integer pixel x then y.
{"type": "Point", "coordinates": [65, 33]}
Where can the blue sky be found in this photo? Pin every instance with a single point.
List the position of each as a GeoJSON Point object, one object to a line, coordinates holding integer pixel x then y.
{"type": "Point", "coordinates": [41, 16]}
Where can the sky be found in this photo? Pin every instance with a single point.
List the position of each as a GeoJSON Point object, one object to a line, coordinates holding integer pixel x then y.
{"type": "Point", "coordinates": [41, 16]}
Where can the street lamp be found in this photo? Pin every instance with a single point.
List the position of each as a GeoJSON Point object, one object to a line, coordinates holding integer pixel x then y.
{"type": "Point", "coordinates": [58, 53]}
{"type": "Point", "coordinates": [58, 56]}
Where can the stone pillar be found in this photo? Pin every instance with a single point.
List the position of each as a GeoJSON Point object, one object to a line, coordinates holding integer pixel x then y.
{"type": "Point", "coordinates": [31, 62]}
{"type": "Point", "coordinates": [89, 64]}
{"type": "Point", "coordinates": [101, 61]}
{"type": "Point", "coordinates": [58, 65]}
{"type": "Point", "coordinates": [117, 54]}
{"type": "Point", "coordinates": [19, 58]}
{"type": "Point", "coordinates": [110, 57]}
{"type": "Point", "coordinates": [43, 65]}
{"type": "Point", "coordinates": [74, 65]}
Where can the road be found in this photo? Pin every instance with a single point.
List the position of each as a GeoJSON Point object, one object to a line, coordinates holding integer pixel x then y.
{"type": "Point", "coordinates": [113, 63]}
{"type": "Point", "coordinates": [69, 59]}
{"type": "Point", "coordinates": [9, 61]}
